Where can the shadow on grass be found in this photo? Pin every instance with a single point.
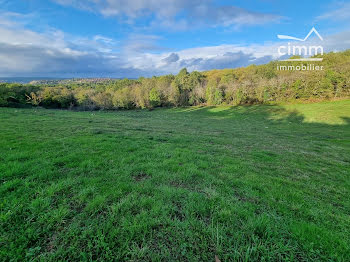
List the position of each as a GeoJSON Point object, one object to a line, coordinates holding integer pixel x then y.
{"type": "Point", "coordinates": [268, 113]}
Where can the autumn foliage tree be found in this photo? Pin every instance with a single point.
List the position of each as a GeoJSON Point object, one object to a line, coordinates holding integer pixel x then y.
{"type": "Point", "coordinates": [250, 85]}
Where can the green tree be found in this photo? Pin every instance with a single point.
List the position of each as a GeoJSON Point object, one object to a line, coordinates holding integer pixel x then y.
{"type": "Point", "coordinates": [154, 97]}
{"type": "Point", "coordinates": [5, 94]}
{"type": "Point", "coordinates": [214, 94]}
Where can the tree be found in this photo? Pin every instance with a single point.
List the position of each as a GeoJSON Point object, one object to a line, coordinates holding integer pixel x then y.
{"type": "Point", "coordinates": [85, 99]}
{"type": "Point", "coordinates": [214, 94]}
{"type": "Point", "coordinates": [57, 97]}
{"type": "Point", "coordinates": [154, 97]}
{"type": "Point", "coordinates": [103, 100]}
{"type": "Point", "coordinates": [34, 99]}
{"type": "Point", "coordinates": [5, 94]}
{"type": "Point", "coordinates": [122, 98]}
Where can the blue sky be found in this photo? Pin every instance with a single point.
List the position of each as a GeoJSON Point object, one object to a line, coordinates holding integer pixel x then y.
{"type": "Point", "coordinates": [119, 38]}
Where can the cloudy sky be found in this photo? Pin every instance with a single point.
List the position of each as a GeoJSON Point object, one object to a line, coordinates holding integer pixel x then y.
{"type": "Point", "coordinates": [132, 38]}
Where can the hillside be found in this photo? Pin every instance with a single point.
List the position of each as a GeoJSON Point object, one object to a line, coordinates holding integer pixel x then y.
{"type": "Point", "coordinates": [261, 84]}
{"type": "Point", "coordinates": [258, 183]}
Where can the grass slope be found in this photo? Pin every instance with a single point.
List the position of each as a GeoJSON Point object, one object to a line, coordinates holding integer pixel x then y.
{"type": "Point", "coordinates": [254, 183]}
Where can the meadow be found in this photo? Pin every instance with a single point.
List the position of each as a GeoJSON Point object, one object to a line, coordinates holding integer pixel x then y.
{"type": "Point", "coordinates": [243, 183]}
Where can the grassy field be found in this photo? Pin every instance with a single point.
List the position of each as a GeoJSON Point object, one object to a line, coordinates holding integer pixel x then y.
{"type": "Point", "coordinates": [257, 183]}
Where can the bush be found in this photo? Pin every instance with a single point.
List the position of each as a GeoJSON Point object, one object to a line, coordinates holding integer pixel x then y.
{"type": "Point", "coordinates": [57, 97]}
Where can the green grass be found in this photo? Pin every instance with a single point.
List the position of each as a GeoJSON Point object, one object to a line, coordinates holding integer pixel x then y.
{"type": "Point", "coordinates": [258, 183]}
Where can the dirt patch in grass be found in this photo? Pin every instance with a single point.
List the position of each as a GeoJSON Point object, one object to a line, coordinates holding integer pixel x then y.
{"type": "Point", "coordinates": [141, 176]}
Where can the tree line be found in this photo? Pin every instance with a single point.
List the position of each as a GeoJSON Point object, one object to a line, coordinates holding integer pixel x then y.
{"type": "Point", "coordinates": [250, 85]}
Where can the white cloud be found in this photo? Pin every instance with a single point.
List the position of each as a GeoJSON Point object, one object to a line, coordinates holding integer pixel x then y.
{"type": "Point", "coordinates": [136, 43]}
{"type": "Point", "coordinates": [174, 14]}
{"type": "Point", "coordinates": [172, 58]}
{"type": "Point", "coordinates": [25, 52]}
{"type": "Point", "coordinates": [105, 40]}
{"type": "Point", "coordinates": [340, 13]}
{"type": "Point", "coordinates": [225, 56]}
{"type": "Point", "coordinates": [205, 58]}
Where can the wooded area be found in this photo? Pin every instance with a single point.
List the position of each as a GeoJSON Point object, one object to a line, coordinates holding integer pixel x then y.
{"type": "Point", "coordinates": [250, 85]}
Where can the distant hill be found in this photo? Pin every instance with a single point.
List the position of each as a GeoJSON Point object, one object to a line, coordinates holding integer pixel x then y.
{"type": "Point", "coordinates": [26, 80]}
